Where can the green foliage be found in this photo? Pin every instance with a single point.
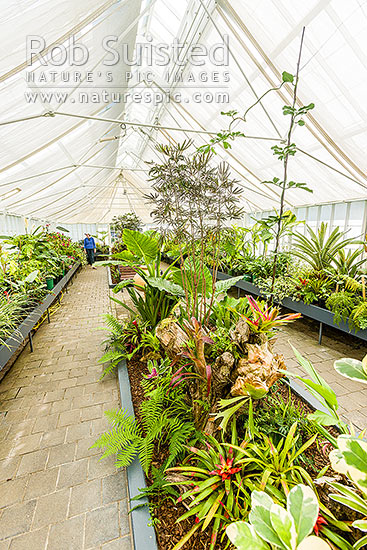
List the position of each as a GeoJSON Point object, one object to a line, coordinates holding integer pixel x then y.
{"type": "Point", "coordinates": [350, 459]}
{"type": "Point", "coordinates": [217, 479]}
{"type": "Point", "coordinates": [319, 250]}
{"type": "Point", "coordinates": [12, 310]}
{"type": "Point", "coordinates": [271, 526]}
{"type": "Point", "coordinates": [352, 368]}
{"type": "Point", "coordinates": [165, 418]}
{"type": "Point", "coordinates": [274, 417]}
{"type": "Point", "coordinates": [319, 388]}
{"type": "Point", "coordinates": [359, 315]}
{"type": "Point", "coordinates": [341, 304]}
{"type": "Point", "coordinates": [226, 312]}
{"type": "Point", "coordinates": [126, 221]}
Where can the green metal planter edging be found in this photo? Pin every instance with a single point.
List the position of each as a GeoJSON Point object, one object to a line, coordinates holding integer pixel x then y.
{"type": "Point", "coordinates": [143, 531]}
{"type": "Point", "coordinates": [26, 327]}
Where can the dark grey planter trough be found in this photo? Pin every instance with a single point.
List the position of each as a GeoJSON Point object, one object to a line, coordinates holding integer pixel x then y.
{"type": "Point", "coordinates": [143, 531]}
{"type": "Point", "coordinates": [25, 328]}
{"type": "Point", "coordinates": [322, 315]}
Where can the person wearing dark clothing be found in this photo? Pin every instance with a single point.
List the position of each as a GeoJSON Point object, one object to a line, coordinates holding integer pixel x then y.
{"type": "Point", "coordinates": [90, 249]}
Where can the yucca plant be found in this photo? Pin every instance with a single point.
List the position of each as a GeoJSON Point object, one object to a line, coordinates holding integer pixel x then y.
{"type": "Point", "coordinates": [319, 250]}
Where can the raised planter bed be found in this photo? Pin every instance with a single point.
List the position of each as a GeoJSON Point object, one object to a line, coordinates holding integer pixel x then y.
{"type": "Point", "coordinates": [322, 315]}
{"type": "Point", "coordinates": [25, 328]}
{"type": "Point", "coordinates": [144, 536]}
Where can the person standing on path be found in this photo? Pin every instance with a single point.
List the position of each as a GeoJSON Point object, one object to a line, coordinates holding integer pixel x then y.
{"type": "Point", "coordinates": [90, 249]}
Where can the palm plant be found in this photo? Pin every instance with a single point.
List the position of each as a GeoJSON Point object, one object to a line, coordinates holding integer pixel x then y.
{"type": "Point", "coordinates": [319, 250]}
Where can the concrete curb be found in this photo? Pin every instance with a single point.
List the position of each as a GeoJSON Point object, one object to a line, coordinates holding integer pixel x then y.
{"type": "Point", "coordinates": [143, 531]}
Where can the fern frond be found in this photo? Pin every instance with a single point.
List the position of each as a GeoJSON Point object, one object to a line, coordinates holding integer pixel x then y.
{"type": "Point", "coordinates": [114, 324]}
{"type": "Point", "coordinates": [145, 452]}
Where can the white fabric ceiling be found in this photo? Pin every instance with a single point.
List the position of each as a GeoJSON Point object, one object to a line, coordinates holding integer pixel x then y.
{"type": "Point", "coordinates": [264, 39]}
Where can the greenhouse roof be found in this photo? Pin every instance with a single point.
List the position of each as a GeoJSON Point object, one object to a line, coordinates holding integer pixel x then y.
{"type": "Point", "coordinates": [80, 119]}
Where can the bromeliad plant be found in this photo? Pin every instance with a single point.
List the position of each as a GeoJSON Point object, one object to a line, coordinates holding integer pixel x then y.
{"type": "Point", "coordinates": [217, 478]}
{"type": "Point", "coordinates": [266, 319]}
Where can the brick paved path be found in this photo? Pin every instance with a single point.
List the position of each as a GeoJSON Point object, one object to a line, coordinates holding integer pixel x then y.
{"type": "Point", "coordinates": [55, 494]}
{"type": "Point", "coordinates": [303, 335]}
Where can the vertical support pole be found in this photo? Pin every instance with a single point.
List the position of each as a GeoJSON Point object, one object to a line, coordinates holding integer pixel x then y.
{"type": "Point", "coordinates": [30, 341]}
{"type": "Point", "coordinates": [238, 292]}
{"type": "Point", "coordinates": [320, 334]}
{"type": "Point", "coordinates": [48, 315]}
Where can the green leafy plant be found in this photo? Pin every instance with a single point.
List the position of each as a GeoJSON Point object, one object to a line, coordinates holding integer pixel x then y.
{"type": "Point", "coordinates": [352, 368]}
{"type": "Point", "coordinates": [272, 526]}
{"type": "Point", "coordinates": [192, 199]}
{"type": "Point", "coordinates": [217, 478]}
{"type": "Point", "coordinates": [320, 389]}
{"type": "Point", "coordinates": [359, 315]}
{"type": "Point", "coordinates": [165, 418]}
{"type": "Point", "coordinates": [126, 221]}
{"type": "Point", "coordinates": [341, 304]}
{"type": "Point", "coordinates": [350, 459]}
{"type": "Point", "coordinates": [278, 464]}
{"type": "Point", "coordinates": [318, 249]}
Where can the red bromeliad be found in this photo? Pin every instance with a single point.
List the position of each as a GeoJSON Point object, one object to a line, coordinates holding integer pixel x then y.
{"type": "Point", "coordinates": [265, 318]}
{"type": "Point", "coordinates": [319, 523]}
{"type": "Point", "coordinates": [224, 469]}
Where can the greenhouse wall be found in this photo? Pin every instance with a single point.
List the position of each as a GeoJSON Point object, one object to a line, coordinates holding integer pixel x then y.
{"type": "Point", "coordinates": [347, 216]}
{"type": "Point", "coordinates": [11, 224]}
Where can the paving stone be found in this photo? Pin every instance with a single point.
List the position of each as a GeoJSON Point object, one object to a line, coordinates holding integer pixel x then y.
{"type": "Point", "coordinates": [101, 468]}
{"type": "Point", "coordinates": [78, 431]}
{"type": "Point", "coordinates": [45, 423]}
{"type": "Point", "coordinates": [8, 468]}
{"type": "Point", "coordinates": [91, 413]}
{"type": "Point", "coordinates": [16, 519]}
{"type": "Point", "coordinates": [51, 508]}
{"type": "Point", "coordinates": [61, 406]}
{"type": "Point", "coordinates": [12, 491]}
{"type": "Point", "coordinates": [55, 395]}
{"type": "Point", "coordinates": [61, 454]}
{"type": "Point", "coordinates": [67, 535]}
{"type": "Point", "coordinates": [124, 517]}
{"type": "Point", "coordinates": [69, 418]}
{"type": "Point", "coordinates": [73, 473]}
{"type": "Point", "coordinates": [84, 497]}
{"type": "Point", "coordinates": [84, 448]}
{"type": "Point", "coordinates": [34, 540]}
{"type": "Point", "coordinates": [114, 487]}
{"type": "Point", "coordinates": [32, 462]}
{"type": "Point", "coordinates": [26, 444]}
{"type": "Point", "coordinates": [55, 437]}
{"type": "Point", "coordinates": [122, 543]}
{"type": "Point", "coordinates": [102, 525]}
{"type": "Point", "coordinates": [41, 483]}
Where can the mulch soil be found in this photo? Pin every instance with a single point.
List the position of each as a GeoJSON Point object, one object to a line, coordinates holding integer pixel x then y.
{"type": "Point", "coordinates": [166, 513]}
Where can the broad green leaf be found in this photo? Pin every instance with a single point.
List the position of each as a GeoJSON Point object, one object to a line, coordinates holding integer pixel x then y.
{"type": "Point", "coordinates": [303, 506]}
{"type": "Point", "coordinates": [360, 524]}
{"type": "Point", "coordinates": [195, 277]}
{"type": "Point", "coordinates": [283, 525]}
{"type": "Point", "coordinates": [244, 537]}
{"type": "Point", "coordinates": [287, 77]}
{"type": "Point", "coordinates": [223, 286]}
{"type": "Point", "coordinates": [32, 276]}
{"type": "Point", "coordinates": [121, 285]}
{"type": "Point", "coordinates": [360, 543]}
{"type": "Point", "coordinates": [351, 368]}
{"type": "Point", "coordinates": [166, 286]}
{"type": "Point", "coordinates": [141, 245]}
{"type": "Point", "coordinates": [260, 517]}
{"type": "Point", "coordinates": [323, 418]}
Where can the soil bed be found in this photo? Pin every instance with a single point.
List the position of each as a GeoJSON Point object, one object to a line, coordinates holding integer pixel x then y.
{"type": "Point", "coordinates": [166, 513]}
